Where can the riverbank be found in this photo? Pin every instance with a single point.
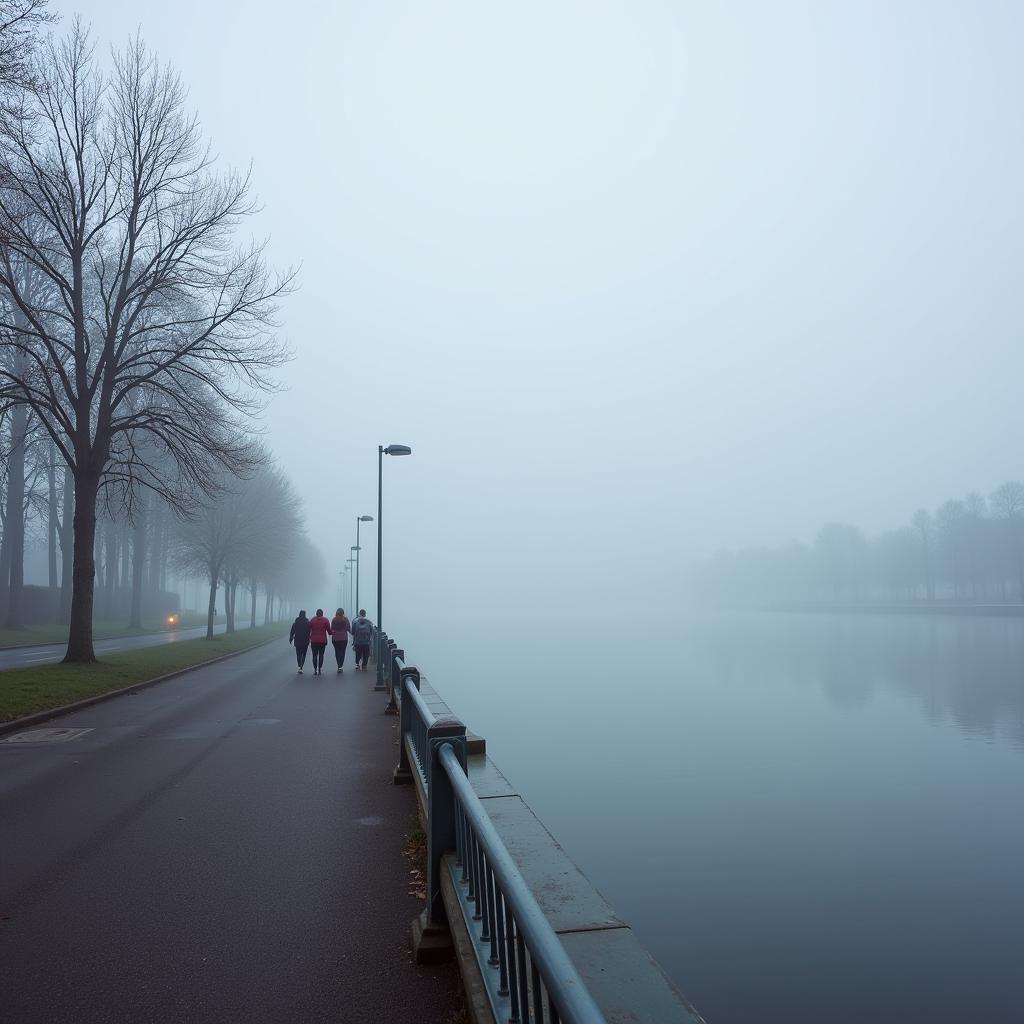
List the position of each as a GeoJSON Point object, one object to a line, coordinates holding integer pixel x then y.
{"type": "Point", "coordinates": [897, 608]}
{"type": "Point", "coordinates": [27, 691]}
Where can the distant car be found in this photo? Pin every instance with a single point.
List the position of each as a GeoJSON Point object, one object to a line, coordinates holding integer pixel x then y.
{"type": "Point", "coordinates": [172, 620]}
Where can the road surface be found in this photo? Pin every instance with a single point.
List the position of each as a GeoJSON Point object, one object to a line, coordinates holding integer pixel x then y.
{"type": "Point", "coordinates": [225, 846]}
{"type": "Point", "coordinates": [23, 657]}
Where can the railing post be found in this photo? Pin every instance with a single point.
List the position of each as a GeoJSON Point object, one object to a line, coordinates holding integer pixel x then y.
{"type": "Point", "coordinates": [393, 681]}
{"type": "Point", "coordinates": [402, 775]}
{"type": "Point", "coordinates": [431, 938]}
{"type": "Point", "coordinates": [385, 653]}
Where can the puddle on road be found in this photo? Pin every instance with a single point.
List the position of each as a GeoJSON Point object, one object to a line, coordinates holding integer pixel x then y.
{"type": "Point", "coordinates": [46, 735]}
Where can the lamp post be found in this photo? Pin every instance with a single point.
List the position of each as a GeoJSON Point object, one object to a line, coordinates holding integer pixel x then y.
{"type": "Point", "coordinates": [392, 449]}
{"type": "Point", "coordinates": [355, 568]}
{"type": "Point", "coordinates": [359, 519]}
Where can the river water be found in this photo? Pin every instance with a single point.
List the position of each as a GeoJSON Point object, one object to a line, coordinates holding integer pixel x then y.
{"type": "Point", "coordinates": [806, 818]}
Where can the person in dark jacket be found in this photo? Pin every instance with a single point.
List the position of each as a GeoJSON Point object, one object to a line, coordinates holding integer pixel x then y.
{"type": "Point", "coordinates": [362, 634]}
{"type": "Point", "coordinates": [319, 631]}
{"type": "Point", "coordinates": [340, 629]}
{"type": "Point", "coordinates": [299, 636]}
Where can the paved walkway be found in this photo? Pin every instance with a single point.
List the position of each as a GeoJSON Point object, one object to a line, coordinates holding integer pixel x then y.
{"type": "Point", "coordinates": [223, 847]}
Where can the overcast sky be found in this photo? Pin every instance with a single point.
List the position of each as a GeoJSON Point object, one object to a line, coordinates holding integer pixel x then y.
{"type": "Point", "coordinates": [635, 280]}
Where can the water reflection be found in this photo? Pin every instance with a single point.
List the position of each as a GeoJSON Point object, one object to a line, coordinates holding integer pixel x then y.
{"type": "Point", "coordinates": [966, 670]}
{"type": "Point", "coordinates": [792, 811]}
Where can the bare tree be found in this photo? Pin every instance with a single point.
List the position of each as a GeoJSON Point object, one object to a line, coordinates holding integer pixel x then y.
{"type": "Point", "coordinates": [1007, 504]}
{"type": "Point", "coordinates": [923, 523]}
{"type": "Point", "coordinates": [160, 333]}
{"type": "Point", "coordinates": [20, 21]}
{"type": "Point", "coordinates": [248, 531]}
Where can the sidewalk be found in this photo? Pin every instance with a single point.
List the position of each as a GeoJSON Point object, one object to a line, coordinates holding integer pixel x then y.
{"type": "Point", "coordinates": [223, 847]}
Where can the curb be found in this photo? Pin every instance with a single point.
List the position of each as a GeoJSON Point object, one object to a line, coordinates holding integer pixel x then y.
{"type": "Point", "coordinates": [16, 724]}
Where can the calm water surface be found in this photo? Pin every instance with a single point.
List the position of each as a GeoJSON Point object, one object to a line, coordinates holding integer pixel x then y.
{"type": "Point", "coordinates": [808, 818]}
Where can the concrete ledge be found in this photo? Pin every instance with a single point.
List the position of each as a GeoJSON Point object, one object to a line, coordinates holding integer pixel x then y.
{"type": "Point", "coordinates": [477, 1004]}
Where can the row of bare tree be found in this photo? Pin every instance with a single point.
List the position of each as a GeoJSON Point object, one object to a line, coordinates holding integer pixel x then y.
{"type": "Point", "coordinates": [251, 537]}
{"type": "Point", "coordinates": [969, 550]}
{"type": "Point", "coordinates": [138, 335]}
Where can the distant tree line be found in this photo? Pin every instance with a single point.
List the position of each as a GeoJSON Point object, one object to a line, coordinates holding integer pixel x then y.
{"type": "Point", "coordinates": [137, 338]}
{"type": "Point", "coordinates": [969, 550]}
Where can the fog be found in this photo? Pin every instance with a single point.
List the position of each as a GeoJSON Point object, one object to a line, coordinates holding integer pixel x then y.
{"type": "Point", "coordinates": [635, 281]}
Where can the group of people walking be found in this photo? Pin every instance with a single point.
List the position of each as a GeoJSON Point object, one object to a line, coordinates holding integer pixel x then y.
{"type": "Point", "coordinates": [306, 633]}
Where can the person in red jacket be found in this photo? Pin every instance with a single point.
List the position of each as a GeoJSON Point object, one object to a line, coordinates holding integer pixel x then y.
{"type": "Point", "coordinates": [340, 628]}
{"type": "Point", "coordinates": [319, 631]}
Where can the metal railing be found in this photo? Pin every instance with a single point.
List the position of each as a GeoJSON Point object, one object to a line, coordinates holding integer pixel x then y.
{"type": "Point", "coordinates": [527, 973]}
{"type": "Point", "coordinates": [535, 974]}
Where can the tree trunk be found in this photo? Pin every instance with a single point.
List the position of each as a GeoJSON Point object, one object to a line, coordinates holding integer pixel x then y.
{"type": "Point", "coordinates": [5, 567]}
{"type": "Point", "coordinates": [138, 566]}
{"type": "Point", "coordinates": [111, 549]}
{"type": "Point", "coordinates": [80, 647]}
{"type": "Point", "coordinates": [51, 516]}
{"type": "Point", "coordinates": [252, 609]}
{"type": "Point", "coordinates": [266, 608]}
{"type": "Point", "coordinates": [67, 544]}
{"type": "Point", "coordinates": [229, 605]}
{"type": "Point", "coordinates": [164, 559]}
{"type": "Point", "coordinates": [16, 517]}
{"type": "Point", "coordinates": [125, 548]}
{"type": "Point", "coordinates": [211, 608]}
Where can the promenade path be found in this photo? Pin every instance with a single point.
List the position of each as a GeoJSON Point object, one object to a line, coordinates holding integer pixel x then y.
{"type": "Point", "coordinates": [226, 846]}
{"type": "Point", "coordinates": [42, 654]}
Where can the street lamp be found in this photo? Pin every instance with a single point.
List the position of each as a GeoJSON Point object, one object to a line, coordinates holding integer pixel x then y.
{"type": "Point", "coordinates": [359, 519]}
{"type": "Point", "coordinates": [392, 449]}
{"type": "Point", "coordinates": [346, 597]}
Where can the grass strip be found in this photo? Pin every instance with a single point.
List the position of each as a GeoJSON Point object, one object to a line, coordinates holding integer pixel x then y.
{"type": "Point", "coordinates": [52, 633]}
{"type": "Point", "coordinates": [42, 687]}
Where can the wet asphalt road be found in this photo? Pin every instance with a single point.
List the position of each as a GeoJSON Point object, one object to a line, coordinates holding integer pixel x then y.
{"type": "Point", "coordinates": [222, 847]}
{"type": "Point", "coordinates": [23, 657]}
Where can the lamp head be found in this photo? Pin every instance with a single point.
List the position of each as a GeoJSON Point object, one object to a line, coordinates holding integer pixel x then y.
{"type": "Point", "coordinates": [398, 449]}
{"type": "Point", "coordinates": [366, 519]}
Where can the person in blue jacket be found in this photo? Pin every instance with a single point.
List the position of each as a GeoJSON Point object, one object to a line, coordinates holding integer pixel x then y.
{"type": "Point", "coordinates": [362, 635]}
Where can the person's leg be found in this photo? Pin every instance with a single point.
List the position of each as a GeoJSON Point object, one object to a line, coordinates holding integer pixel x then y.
{"type": "Point", "coordinates": [320, 651]}
{"type": "Point", "coordinates": [300, 653]}
{"type": "Point", "coordinates": [344, 647]}
{"type": "Point", "coordinates": [337, 654]}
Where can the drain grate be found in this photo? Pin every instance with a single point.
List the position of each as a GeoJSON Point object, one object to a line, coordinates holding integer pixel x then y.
{"type": "Point", "coordinates": [50, 735]}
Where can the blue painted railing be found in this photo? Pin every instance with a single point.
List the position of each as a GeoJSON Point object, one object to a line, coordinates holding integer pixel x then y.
{"type": "Point", "coordinates": [527, 974]}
